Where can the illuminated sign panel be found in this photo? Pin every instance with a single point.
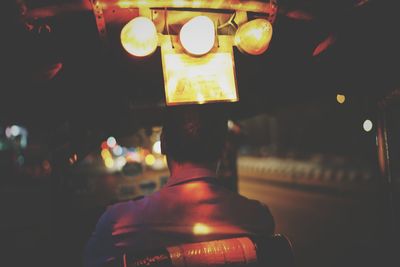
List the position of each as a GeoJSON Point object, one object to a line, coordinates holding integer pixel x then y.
{"type": "Point", "coordinates": [197, 80]}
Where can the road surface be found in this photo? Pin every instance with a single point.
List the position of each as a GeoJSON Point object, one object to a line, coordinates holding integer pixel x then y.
{"type": "Point", "coordinates": [326, 229]}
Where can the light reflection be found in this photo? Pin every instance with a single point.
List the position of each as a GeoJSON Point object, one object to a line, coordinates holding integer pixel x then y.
{"type": "Point", "coordinates": [201, 229]}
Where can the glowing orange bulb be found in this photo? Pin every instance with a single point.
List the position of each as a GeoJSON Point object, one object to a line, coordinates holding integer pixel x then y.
{"type": "Point", "coordinates": [139, 37]}
{"type": "Point", "coordinates": [254, 36]}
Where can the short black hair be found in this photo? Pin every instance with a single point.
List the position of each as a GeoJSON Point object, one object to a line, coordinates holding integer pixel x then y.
{"type": "Point", "coordinates": [194, 133]}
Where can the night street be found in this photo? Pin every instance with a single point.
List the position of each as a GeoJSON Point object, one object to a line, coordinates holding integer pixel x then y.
{"type": "Point", "coordinates": [326, 229]}
{"type": "Point", "coordinates": [129, 130]}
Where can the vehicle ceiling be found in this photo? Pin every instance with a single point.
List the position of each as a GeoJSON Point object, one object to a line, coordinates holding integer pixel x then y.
{"type": "Point", "coordinates": [55, 71]}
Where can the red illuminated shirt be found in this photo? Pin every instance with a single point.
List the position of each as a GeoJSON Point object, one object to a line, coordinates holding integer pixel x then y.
{"type": "Point", "coordinates": [191, 207]}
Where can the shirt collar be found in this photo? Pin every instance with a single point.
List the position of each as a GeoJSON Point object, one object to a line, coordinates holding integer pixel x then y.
{"type": "Point", "coordinates": [183, 172]}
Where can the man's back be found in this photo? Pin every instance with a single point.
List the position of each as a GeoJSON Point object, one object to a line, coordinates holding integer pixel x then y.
{"type": "Point", "coordinates": [192, 206]}
{"type": "Point", "coordinates": [188, 211]}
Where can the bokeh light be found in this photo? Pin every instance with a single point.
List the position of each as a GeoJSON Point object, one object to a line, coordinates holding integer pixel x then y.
{"type": "Point", "coordinates": [368, 125]}
{"type": "Point", "coordinates": [340, 98]}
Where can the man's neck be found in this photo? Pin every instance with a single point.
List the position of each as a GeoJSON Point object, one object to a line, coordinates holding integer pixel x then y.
{"type": "Point", "coordinates": [188, 170]}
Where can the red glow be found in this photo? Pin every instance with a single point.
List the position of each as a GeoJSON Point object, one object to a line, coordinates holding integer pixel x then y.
{"type": "Point", "coordinates": [48, 72]}
{"type": "Point", "coordinates": [299, 15]}
{"type": "Point", "coordinates": [324, 45]}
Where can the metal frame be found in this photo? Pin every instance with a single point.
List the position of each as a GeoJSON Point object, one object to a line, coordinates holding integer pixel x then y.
{"type": "Point", "coordinates": [268, 6]}
{"type": "Point", "coordinates": [100, 21]}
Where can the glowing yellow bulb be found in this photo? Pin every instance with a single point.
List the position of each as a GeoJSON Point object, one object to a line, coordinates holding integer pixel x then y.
{"type": "Point", "coordinates": [139, 37]}
{"type": "Point", "coordinates": [150, 159]}
{"type": "Point", "coordinates": [254, 36]}
{"type": "Point", "coordinates": [197, 36]}
{"type": "Point", "coordinates": [201, 229]}
{"type": "Point", "coordinates": [340, 98]}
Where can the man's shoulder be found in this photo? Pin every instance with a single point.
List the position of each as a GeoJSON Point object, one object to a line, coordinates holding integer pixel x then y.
{"type": "Point", "coordinates": [234, 196]}
{"type": "Point", "coordinates": [122, 207]}
{"type": "Point", "coordinates": [252, 210]}
{"type": "Point", "coordinates": [255, 204]}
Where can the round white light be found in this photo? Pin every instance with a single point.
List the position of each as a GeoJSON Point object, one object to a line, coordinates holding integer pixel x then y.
{"type": "Point", "coordinates": [197, 36]}
{"type": "Point", "coordinates": [15, 130]}
{"type": "Point", "coordinates": [111, 142]}
{"type": "Point", "coordinates": [139, 37]}
{"type": "Point", "coordinates": [367, 125]}
{"type": "Point", "coordinates": [157, 147]}
{"type": "Point", "coordinates": [120, 162]}
{"type": "Point", "coordinates": [230, 124]}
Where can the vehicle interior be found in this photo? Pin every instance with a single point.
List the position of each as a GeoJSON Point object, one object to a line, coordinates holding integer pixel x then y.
{"type": "Point", "coordinates": [313, 128]}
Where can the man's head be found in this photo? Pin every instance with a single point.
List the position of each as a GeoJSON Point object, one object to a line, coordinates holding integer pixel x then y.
{"type": "Point", "coordinates": [194, 134]}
